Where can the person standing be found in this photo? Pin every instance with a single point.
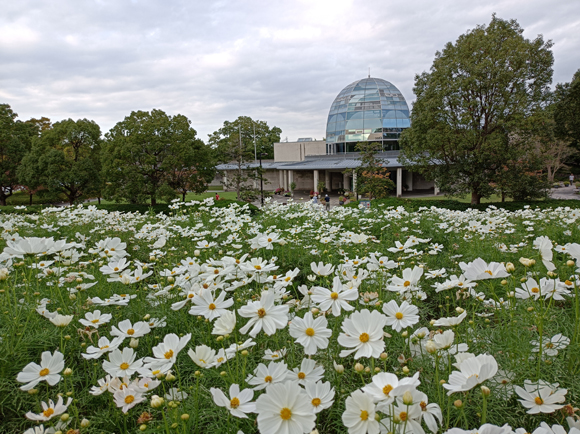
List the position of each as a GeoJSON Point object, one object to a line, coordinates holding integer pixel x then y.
{"type": "Point", "coordinates": [571, 178]}
{"type": "Point", "coordinates": [315, 199]}
{"type": "Point", "coordinates": [327, 200]}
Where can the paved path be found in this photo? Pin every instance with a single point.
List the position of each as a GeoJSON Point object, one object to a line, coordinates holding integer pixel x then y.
{"type": "Point", "coordinates": [569, 192]}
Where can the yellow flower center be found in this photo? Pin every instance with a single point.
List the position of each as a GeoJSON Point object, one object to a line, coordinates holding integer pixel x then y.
{"type": "Point", "coordinates": [488, 272]}
{"type": "Point", "coordinates": [235, 403]}
{"type": "Point", "coordinates": [288, 279]}
{"type": "Point", "coordinates": [261, 312]}
{"type": "Point", "coordinates": [309, 331]}
{"type": "Point", "coordinates": [106, 346]}
{"type": "Point", "coordinates": [216, 271]}
{"type": "Point", "coordinates": [407, 283]}
{"type": "Point", "coordinates": [316, 402]}
{"type": "Point", "coordinates": [285, 413]}
{"type": "Point", "coordinates": [403, 416]}
{"type": "Point", "coordinates": [95, 321]}
{"type": "Point", "coordinates": [169, 354]}
{"type": "Point", "coordinates": [131, 332]}
{"type": "Point", "coordinates": [116, 269]}
{"type": "Point", "coordinates": [399, 315]}
{"type": "Point", "coordinates": [301, 375]}
{"type": "Point", "coordinates": [211, 306]}
{"type": "Point", "coordinates": [538, 400]}
{"type": "Point", "coordinates": [190, 295]}
{"type": "Point", "coordinates": [124, 366]}
{"type": "Point", "coordinates": [269, 240]}
{"type": "Point", "coordinates": [268, 379]}
{"type": "Point", "coordinates": [257, 267]}
{"type": "Point", "coordinates": [387, 389]}
{"type": "Point", "coordinates": [44, 372]}
{"type": "Point", "coordinates": [334, 295]}
{"type": "Point", "coordinates": [48, 412]}
{"type": "Point", "coordinates": [535, 290]}
{"type": "Point", "coordinates": [364, 415]}
{"type": "Point", "coordinates": [364, 337]}
{"type": "Point", "coordinates": [129, 399]}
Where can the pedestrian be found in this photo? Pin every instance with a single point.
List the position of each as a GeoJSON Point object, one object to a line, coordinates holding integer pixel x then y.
{"type": "Point", "coordinates": [315, 199]}
{"type": "Point", "coordinates": [327, 200]}
{"type": "Point", "coordinates": [572, 179]}
{"type": "Point", "coordinates": [217, 196]}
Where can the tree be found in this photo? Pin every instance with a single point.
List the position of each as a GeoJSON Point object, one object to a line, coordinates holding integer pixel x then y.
{"type": "Point", "coordinates": [372, 178]}
{"type": "Point", "coordinates": [15, 139]}
{"type": "Point", "coordinates": [567, 114]}
{"type": "Point", "coordinates": [479, 90]}
{"type": "Point", "coordinates": [150, 155]}
{"type": "Point", "coordinates": [65, 159]}
{"type": "Point", "coordinates": [240, 143]}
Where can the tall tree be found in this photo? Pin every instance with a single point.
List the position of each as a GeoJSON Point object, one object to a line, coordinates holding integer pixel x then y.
{"type": "Point", "coordinates": [372, 178]}
{"type": "Point", "coordinates": [15, 139]}
{"type": "Point", "coordinates": [567, 112]}
{"type": "Point", "coordinates": [149, 155]}
{"type": "Point", "coordinates": [479, 90]}
{"type": "Point", "coordinates": [65, 159]}
{"type": "Point", "coordinates": [240, 143]}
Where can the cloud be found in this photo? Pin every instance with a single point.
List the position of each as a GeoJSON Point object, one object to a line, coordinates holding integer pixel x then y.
{"type": "Point", "coordinates": [279, 61]}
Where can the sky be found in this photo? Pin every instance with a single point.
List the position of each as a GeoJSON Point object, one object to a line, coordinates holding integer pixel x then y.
{"type": "Point", "coordinates": [283, 62]}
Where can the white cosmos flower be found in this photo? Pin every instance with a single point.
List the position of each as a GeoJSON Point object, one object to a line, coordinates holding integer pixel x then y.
{"type": "Point", "coordinates": [165, 353]}
{"type": "Point", "coordinates": [308, 372]}
{"type": "Point", "coordinates": [61, 320]}
{"type": "Point", "coordinates": [541, 397]}
{"type": "Point", "coordinates": [363, 332]}
{"type": "Point", "coordinates": [127, 398]}
{"type": "Point", "coordinates": [552, 345]}
{"type": "Point", "coordinates": [49, 370]}
{"type": "Point", "coordinates": [311, 333]}
{"type": "Point", "coordinates": [359, 416]}
{"type": "Point", "coordinates": [206, 306]}
{"type": "Point", "coordinates": [284, 408]}
{"type": "Point", "coordinates": [104, 346]}
{"type": "Point", "coordinates": [481, 270]}
{"type": "Point", "coordinates": [544, 245]}
{"type": "Point", "coordinates": [450, 321]}
{"type": "Point", "coordinates": [400, 317]}
{"type": "Point", "coordinates": [264, 315]}
{"type": "Point", "coordinates": [121, 364]}
{"type": "Point", "coordinates": [95, 319]}
{"type": "Point", "coordinates": [128, 330]}
{"type": "Point", "coordinates": [385, 387]}
{"type": "Point", "coordinates": [321, 395]}
{"type": "Point", "coordinates": [321, 269]}
{"type": "Point", "coordinates": [472, 371]}
{"type": "Point", "coordinates": [225, 324]}
{"type": "Point", "coordinates": [50, 410]}
{"type": "Point", "coordinates": [409, 281]}
{"type": "Point", "coordinates": [265, 376]}
{"type": "Point", "coordinates": [239, 402]}
{"type": "Point", "coordinates": [203, 356]}
{"type": "Point", "coordinates": [336, 299]}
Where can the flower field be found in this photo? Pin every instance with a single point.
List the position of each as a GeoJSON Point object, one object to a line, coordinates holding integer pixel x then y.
{"type": "Point", "coordinates": [290, 320]}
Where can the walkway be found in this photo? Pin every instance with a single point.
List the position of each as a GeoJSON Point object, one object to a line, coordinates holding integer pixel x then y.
{"type": "Point", "coordinates": [569, 192]}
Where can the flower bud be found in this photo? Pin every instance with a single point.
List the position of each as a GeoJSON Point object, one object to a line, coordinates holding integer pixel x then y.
{"type": "Point", "coordinates": [570, 263]}
{"type": "Point", "coordinates": [156, 401]}
{"type": "Point", "coordinates": [185, 416]}
{"type": "Point", "coordinates": [85, 423]}
{"type": "Point", "coordinates": [504, 282]}
{"type": "Point", "coordinates": [485, 391]}
{"type": "Point", "coordinates": [359, 368]}
{"type": "Point", "coordinates": [174, 425]}
{"type": "Point", "coordinates": [67, 337]}
{"type": "Point", "coordinates": [405, 370]}
{"type": "Point", "coordinates": [64, 417]}
{"type": "Point", "coordinates": [245, 353]}
{"type": "Point", "coordinates": [367, 369]}
{"type": "Point", "coordinates": [531, 308]}
{"type": "Point", "coordinates": [551, 274]}
{"type": "Point", "coordinates": [72, 297]}
{"type": "Point", "coordinates": [459, 310]}
{"type": "Point", "coordinates": [432, 322]}
{"type": "Point", "coordinates": [314, 310]}
{"type": "Point", "coordinates": [384, 356]}
{"type": "Point", "coordinates": [143, 427]}
{"type": "Point", "coordinates": [170, 377]}
{"type": "Point", "coordinates": [67, 372]}
{"type": "Point", "coordinates": [407, 398]}
{"type": "Point", "coordinates": [223, 373]}
{"type": "Point", "coordinates": [33, 391]}
{"type": "Point", "coordinates": [458, 403]}
{"type": "Point", "coordinates": [134, 343]}
{"type": "Point", "coordinates": [196, 252]}
{"type": "Point", "coordinates": [339, 368]}
{"type": "Point", "coordinates": [510, 267]}
{"type": "Point", "coordinates": [405, 334]}
{"type": "Point", "coordinates": [430, 347]}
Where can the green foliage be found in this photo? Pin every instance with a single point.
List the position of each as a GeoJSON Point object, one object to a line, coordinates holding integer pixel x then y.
{"type": "Point", "coordinates": [372, 178]}
{"type": "Point", "coordinates": [15, 139]}
{"type": "Point", "coordinates": [567, 110]}
{"type": "Point", "coordinates": [151, 155]}
{"type": "Point", "coordinates": [65, 160]}
{"type": "Point", "coordinates": [479, 91]}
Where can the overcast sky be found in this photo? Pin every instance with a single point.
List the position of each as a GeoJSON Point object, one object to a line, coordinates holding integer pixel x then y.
{"type": "Point", "coordinates": [279, 61]}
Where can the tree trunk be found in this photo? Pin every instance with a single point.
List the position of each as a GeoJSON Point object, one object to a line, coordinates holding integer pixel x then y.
{"type": "Point", "coordinates": [503, 196]}
{"type": "Point", "coordinates": [153, 200]}
{"type": "Point", "coordinates": [30, 201]}
{"type": "Point", "coordinates": [183, 195]}
{"type": "Point", "coordinates": [475, 198]}
{"type": "Point", "coordinates": [99, 199]}
{"type": "Point", "coordinates": [3, 200]}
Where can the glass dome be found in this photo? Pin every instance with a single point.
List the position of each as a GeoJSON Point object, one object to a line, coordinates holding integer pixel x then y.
{"type": "Point", "coordinates": [370, 109]}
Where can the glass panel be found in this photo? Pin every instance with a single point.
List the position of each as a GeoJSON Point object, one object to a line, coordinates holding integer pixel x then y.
{"type": "Point", "coordinates": [356, 124]}
{"type": "Point", "coordinates": [340, 125]}
{"type": "Point", "coordinates": [331, 127]}
{"type": "Point", "coordinates": [403, 123]}
{"type": "Point", "coordinates": [354, 115]}
{"type": "Point", "coordinates": [372, 124]}
{"type": "Point", "coordinates": [389, 123]}
{"type": "Point", "coordinates": [389, 114]}
{"type": "Point", "coordinates": [370, 114]}
{"type": "Point", "coordinates": [339, 147]}
{"type": "Point", "coordinates": [340, 117]}
{"type": "Point", "coordinates": [350, 147]}
{"type": "Point", "coordinates": [331, 119]}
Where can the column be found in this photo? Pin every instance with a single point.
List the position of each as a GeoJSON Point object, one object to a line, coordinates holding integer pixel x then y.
{"type": "Point", "coordinates": [327, 180]}
{"type": "Point", "coordinates": [399, 181]}
{"type": "Point", "coordinates": [285, 180]}
{"type": "Point", "coordinates": [315, 180]}
{"type": "Point", "coordinates": [435, 190]}
{"type": "Point", "coordinates": [345, 181]}
{"type": "Point", "coordinates": [409, 180]}
{"type": "Point", "coordinates": [225, 180]}
{"type": "Point", "coordinates": [280, 178]}
{"type": "Point", "coordinates": [290, 178]}
{"type": "Point", "coordinates": [354, 182]}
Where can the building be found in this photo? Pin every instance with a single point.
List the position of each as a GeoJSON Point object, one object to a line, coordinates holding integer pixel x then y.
{"type": "Point", "coordinates": [370, 109]}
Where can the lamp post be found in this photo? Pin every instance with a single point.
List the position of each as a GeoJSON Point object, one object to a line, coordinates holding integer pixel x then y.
{"type": "Point", "coordinates": [262, 178]}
